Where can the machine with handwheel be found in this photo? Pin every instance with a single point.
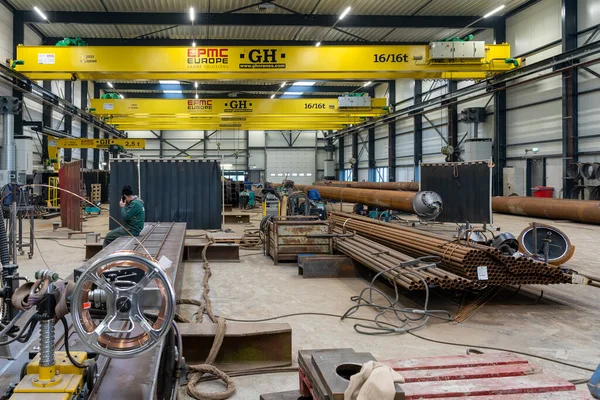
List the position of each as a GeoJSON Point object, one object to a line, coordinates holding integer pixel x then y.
{"type": "Point", "coordinates": [122, 306]}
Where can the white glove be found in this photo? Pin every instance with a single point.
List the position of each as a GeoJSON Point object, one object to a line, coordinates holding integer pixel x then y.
{"type": "Point", "coordinates": [375, 381]}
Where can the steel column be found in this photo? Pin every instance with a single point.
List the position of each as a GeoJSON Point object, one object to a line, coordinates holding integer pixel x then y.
{"type": "Point", "coordinates": [453, 120]}
{"type": "Point", "coordinates": [96, 130]}
{"type": "Point", "coordinates": [499, 149]}
{"type": "Point", "coordinates": [570, 89]}
{"type": "Point", "coordinates": [68, 119]}
{"type": "Point", "coordinates": [418, 129]}
{"type": "Point", "coordinates": [341, 160]}
{"type": "Point", "coordinates": [18, 38]}
{"type": "Point", "coordinates": [392, 134]}
{"type": "Point", "coordinates": [46, 120]}
{"type": "Point", "coordinates": [371, 154]}
{"type": "Point", "coordinates": [84, 126]}
{"type": "Point", "coordinates": [355, 156]}
{"type": "Point", "coordinates": [162, 144]}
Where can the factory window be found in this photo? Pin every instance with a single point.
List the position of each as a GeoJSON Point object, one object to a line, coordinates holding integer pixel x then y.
{"type": "Point", "coordinates": [382, 174]}
{"type": "Point", "coordinates": [347, 175]}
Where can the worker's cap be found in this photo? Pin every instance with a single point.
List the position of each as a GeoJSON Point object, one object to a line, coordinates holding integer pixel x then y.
{"type": "Point", "coordinates": [127, 191]}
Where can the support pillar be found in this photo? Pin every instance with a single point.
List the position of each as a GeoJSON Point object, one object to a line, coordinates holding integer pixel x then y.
{"type": "Point", "coordinates": [96, 131]}
{"type": "Point", "coordinates": [355, 156]}
{"type": "Point", "coordinates": [418, 129]}
{"type": "Point", "coordinates": [499, 149]}
{"type": "Point", "coordinates": [453, 121]}
{"type": "Point", "coordinates": [371, 155]}
{"type": "Point", "coordinates": [46, 119]}
{"type": "Point", "coordinates": [392, 134]}
{"type": "Point", "coordinates": [570, 90]}
{"type": "Point", "coordinates": [83, 103]}
{"type": "Point", "coordinates": [68, 119]}
{"type": "Point", "coordinates": [18, 38]}
{"type": "Point", "coordinates": [341, 160]}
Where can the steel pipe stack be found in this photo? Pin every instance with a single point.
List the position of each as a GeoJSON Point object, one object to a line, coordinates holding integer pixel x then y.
{"type": "Point", "coordinates": [380, 258]}
{"type": "Point", "coordinates": [385, 199]}
{"type": "Point", "coordinates": [461, 259]}
{"type": "Point", "coordinates": [586, 211]}
{"type": "Point", "coordinates": [401, 186]}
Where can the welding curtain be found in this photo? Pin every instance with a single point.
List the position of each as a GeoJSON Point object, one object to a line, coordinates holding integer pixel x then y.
{"type": "Point", "coordinates": [172, 190]}
{"type": "Point", "coordinates": [465, 188]}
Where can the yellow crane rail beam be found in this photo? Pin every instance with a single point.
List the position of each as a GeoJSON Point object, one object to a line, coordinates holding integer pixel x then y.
{"type": "Point", "coordinates": [261, 62]}
{"type": "Point", "coordinates": [236, 106]}
{"type": "Point", "coordinates": [96, 143]}
{"type": "Point", "coordinates": [231, 126]}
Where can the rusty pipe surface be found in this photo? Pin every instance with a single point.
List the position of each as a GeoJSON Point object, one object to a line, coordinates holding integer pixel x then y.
{"type": "Point", "coordinates": [296, 185]}
{"type": "Point", "coordinates": [586, 211]}
{"type": "Point", "coordinates": [401, 186]}
{"type": "Point", "coordinates": [385, 199]}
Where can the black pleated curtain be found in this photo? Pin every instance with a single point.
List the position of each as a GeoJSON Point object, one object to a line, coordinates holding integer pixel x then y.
{"type": "Point", "coordinates": [172, 190]}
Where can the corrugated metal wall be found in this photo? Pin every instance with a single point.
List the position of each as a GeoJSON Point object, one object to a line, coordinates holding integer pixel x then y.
{"type": "Point", "coordinates": [172, 191]}
{"type": "Point", "coordinates": [69, 177]}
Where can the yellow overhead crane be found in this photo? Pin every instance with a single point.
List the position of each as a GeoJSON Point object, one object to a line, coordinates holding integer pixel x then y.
{"type": "Point", "coordinates": [439, 60]}
{"type": "Point", "coordinates": [244, 114]}
{"type": "Point", "coordinates": [55, 144]}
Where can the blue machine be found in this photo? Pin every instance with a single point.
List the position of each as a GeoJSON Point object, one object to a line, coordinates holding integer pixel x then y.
{"type": "Point", "coordinates": [594, 384]}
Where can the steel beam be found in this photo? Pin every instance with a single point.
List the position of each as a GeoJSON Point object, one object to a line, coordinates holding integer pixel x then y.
{"type": "Point", "coordinates": [355, 156]}
{"type": "Point", "coordinates": [499, 148]}
{"type": "Point", "coordinates": [68, 127]}
{"type": "Point", "coordinates": [208, 87]}
{"type": "Point", "coordinates": [341, 160]}
{"type": "Point", "coordinates": [418, 129]}
{"type": "Point", "coordinates": [453, 120]}
{"type": "Point", "coordinates": [371, 154]}
{"type": "Point", "coordinates": [570, 89]}
{"type": "Point", "coordinates": [392, 134]}
{"type": "Point", "coordinates": [46, 119]}
{"type": "Point", "coordinates": [96, 132]}
{"type": "Point", "coordinates": [83, 103]}
{"type": "Point", "coordinates": [18, 38]}
{"type": "Point", "coordinates": [253, 19]}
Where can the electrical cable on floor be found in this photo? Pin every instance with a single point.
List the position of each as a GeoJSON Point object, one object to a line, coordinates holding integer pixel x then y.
{"type": "Point", "coordinates": [413, 334]}
{"type": "Point", "coordinates": [404, 315]}
{"type": "Point", "coordinates": [59, 243]}
{"type": "Point", "coordinates": [66, 327]}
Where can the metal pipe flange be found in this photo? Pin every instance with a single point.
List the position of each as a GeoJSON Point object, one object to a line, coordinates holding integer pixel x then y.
{"type": "Point", "coordinates": [138, 305]}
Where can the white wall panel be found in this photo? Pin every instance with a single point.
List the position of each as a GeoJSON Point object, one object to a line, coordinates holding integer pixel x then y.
{"type": "Point", "coordinates": [381, 152]}
{"type": "Point", "coordinates": [257, 159]}
{"type": "Point", "coordinates": [291, 161]}
{"type": "Point", "coordinates": [405, 174]}
{"type": "Point", "coordinates": [589, 116]}
{"type": "Point", "coordinates": [256, 138]}
{"type": "Point", "coordinates": [347, 154]}
{"type": "Point", "coordinates": [588, 13]}
{"type": "Point", "coordinates": [405, 146]}
{"type": "Point", "coordinates": [381, 90]}
{"type": "Point", "coordinates": [534, 27]}
{"type": "Point", "coordinates": [541, 122]}
{"type": "Point", "coordinates": [32, 38]}
{"type": "Point", "coordinates": [405, 89]}
{"type": "Point", "coordinates": [363, 175]}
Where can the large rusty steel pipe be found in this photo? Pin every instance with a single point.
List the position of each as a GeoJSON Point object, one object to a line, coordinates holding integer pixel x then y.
{"type": "Point", "coordinates": [385, 199]}
{"type": "Point", "coordinates": [401, 186]}
{"type": "Point", "coordinates": [586, 211]}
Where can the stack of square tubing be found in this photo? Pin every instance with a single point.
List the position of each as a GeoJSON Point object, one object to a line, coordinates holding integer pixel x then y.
{"type": "Point", "coordinates": [392, 244]}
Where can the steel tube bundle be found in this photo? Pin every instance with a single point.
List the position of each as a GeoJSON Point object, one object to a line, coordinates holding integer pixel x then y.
{"type": "Point", "coordinates": [378, 258]}
{"type": "Point", "coordinates": [458, 258]}
{"type": "Point", "coordinates": [585, 211]}
{"type": "Point", "coordinates": [385, 199]}
{"type": "Point", "coordinates": [401, 186]}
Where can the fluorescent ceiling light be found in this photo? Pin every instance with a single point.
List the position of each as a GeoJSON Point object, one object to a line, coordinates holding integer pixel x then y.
{"type": "Point", "coordinates": [194, 44]}
{"type": "Point", "coordinates": [122, 96]}
{"type": "Point", "coordinates": [169, 82]}
{"type": "Point", "coordinates": [345, 12]}
{"type": "Point", "coordinates": [109, 84]}
{"type": "Point", "coordinates": [304, 83]}
{"type": "Point", "coordinates": [367, 83]}
{"type": "Point", "coordinates": [283, 84]}
{"type": "Point", "coordinates": [172, 91]}
{"type": "Point", "coordinates": [317, 44]}
{"type": "Point", "coordinates": [494, 11]}
{"type": "Point", "coordinates": [226, 165]}
{"type": "Point", "coordinates": [196, 95]}
{"type": "Point", "coordinates": [40, 13]}
{"type": "Point", "coordinates": [273, 96]}
{"type": "Point", "coordinates": [290, 93]}
{"type": "Point", "coordinates": [196, 85]}
{"type": "Point", "coordinates": [192, 14]}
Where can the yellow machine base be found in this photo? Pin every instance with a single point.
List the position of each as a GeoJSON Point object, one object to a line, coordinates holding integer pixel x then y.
{"type": "Point", "coordinates": [66, 382]}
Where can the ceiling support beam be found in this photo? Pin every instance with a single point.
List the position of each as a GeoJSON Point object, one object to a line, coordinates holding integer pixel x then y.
{"type": "Point", "coordinates": [392, 134]}
{"type": "Point", "coordinates": [570, 90]}
{"type": "Point", "coordinates": [208, 19]}
{"type": "Point", "coordinates": [418, 129]}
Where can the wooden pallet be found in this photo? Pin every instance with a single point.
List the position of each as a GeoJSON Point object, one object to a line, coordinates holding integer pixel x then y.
{"type": "Point", "coordinates": [96, 192]}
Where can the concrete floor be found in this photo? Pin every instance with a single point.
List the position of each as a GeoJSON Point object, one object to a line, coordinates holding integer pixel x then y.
{"type": "Point", "coordinates": [561, 325]}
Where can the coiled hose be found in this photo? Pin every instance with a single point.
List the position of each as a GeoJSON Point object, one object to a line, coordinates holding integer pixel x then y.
{"type": "Point", "coordinates": [4, 255]}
